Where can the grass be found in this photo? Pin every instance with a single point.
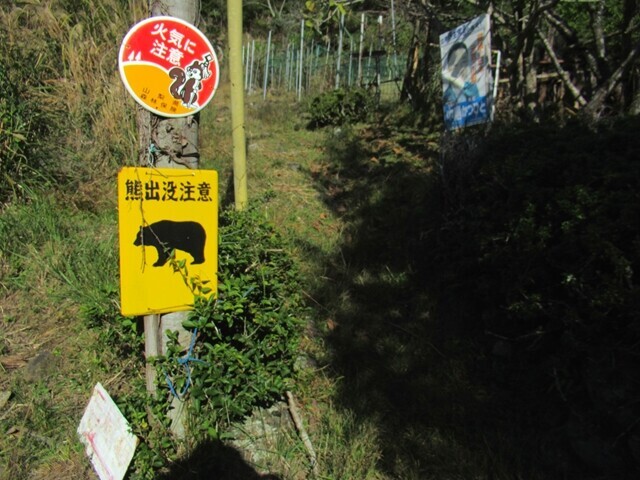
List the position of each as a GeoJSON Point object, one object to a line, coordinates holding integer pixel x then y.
{"type": "Point", "coordinates": [282, 156]}
{"type": "Point", "coordinates": [56, 275]}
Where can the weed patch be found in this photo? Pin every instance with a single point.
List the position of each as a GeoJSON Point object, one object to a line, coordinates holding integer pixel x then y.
{"type": "Point", "coordinates": [340, 106]}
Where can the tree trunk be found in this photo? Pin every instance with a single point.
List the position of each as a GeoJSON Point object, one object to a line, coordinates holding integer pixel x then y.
{"type": "Point", "coordinates": [564, 75]}
{"type": "Point", "coordinates": [595, 105]}
{"type": "Point", "coordinates": [531, 87]}
{"type": "Point", "coordinates": [411, 73]}
{"type": "Point", "coordinates": [634, 107]}
{"type": "Point", "coordinates": [597, 13]}
{"type": "Point", "coordinates": [516, 67]}
{"type": "Point", "coordinates": [426, 28]}
{"type": "Point", "coordinates": [630, 99]}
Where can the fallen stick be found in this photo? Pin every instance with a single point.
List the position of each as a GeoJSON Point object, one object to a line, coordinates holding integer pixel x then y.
{"type": "Point", "coordinates": [297, 420]}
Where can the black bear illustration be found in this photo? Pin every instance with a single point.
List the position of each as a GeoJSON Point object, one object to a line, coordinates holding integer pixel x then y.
{"type": "Point", "coordinates": [167, 235]}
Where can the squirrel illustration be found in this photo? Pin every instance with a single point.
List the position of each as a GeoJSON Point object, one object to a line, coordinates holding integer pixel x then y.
{"type": "Point", "coordinates": [188, 82]}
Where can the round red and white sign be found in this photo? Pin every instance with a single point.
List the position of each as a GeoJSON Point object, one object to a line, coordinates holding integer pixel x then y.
{"type": "Point", "coordinates": [169, 66]}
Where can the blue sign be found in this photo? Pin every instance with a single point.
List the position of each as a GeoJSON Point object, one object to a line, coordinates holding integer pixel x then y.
{"type": "Point", "coordinates": [466, 76]}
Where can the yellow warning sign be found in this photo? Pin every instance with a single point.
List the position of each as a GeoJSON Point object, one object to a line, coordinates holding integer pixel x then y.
{"type": "Point", "coordinates": [168, 231]}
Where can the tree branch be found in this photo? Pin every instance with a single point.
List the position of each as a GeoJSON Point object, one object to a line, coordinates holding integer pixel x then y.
{"type": "Point", "coordinates": [570, 35]}
{"type": "Point", "coordinates": [597, 13]}
{"type": "Point", "coordinates": [597, 101]}
{"type": "Point", "coordinates": [297, 420]}
{"type": "Point", "coordinates": [564, 75]}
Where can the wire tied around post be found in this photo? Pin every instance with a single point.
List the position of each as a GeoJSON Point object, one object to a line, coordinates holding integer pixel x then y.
{"type": "Point", "coordinates": [185, 361]}
{"type": "Point", "coordinates": [152, 151]}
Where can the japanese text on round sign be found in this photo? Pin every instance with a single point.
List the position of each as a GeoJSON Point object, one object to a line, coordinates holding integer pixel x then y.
{"type": "Point", "coordinates": [168, 66]}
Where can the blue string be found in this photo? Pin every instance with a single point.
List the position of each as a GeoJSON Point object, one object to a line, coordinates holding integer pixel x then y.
{"type": "Point", "coordinates": [152, 154]}
{"type": "Point", "coordinates": [184, 361]}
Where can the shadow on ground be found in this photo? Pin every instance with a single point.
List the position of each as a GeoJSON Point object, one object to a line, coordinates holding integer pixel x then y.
{"type": "Point", "coordinates": [214, 460]}
{"type": "Point", "coordinates": [453, 318]}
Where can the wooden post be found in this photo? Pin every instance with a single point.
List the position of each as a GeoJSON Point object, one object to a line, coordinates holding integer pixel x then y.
{"type": "Point", "coordinates": [151, 348]}
{"type": "Point", "coordinates": [378, 56]}
{"type": "Point", "coordinates": [286, 69]}
{"type": "Point", "coordinates": [327, 67]}
{"type": "Point", "coordinates": [393, 33]}
{"type": "Point", "coordinates": [253, 54]}
{"type": "Point", "coordinates": [339, 51]}
{"type": "Point", "coordinates": [301, 65]}
{"type": "Point", "coordinates": [176, 146]}
{"type": "Point", "coordinates": [266, 68]}
{"type": "Point", "coordinates": [359, 82]}
{"type": "Point", "coordinates": [246, 68]}
{"type": "Point", "coordinates": [350, 62]}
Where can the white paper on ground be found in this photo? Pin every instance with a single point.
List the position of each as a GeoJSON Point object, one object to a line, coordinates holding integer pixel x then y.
{"type": "Point", "coordinates": [107, 436]}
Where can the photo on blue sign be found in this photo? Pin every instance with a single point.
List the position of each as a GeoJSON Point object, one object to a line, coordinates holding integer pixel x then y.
{"type": "Point", "coordinates": [466, 76]}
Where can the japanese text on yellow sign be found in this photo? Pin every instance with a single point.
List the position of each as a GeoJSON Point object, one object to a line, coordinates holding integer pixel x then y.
{"type": "Point", "coordinates": [168, 231]}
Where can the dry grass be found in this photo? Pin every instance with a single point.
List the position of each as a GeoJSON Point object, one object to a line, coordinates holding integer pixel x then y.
{"type": "Point", "coordinates": [74, 77]}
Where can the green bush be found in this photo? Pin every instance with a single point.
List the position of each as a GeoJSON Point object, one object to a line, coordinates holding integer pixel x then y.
{"type": "Point", "coordinates": [558, 222]}
{"type": "Point", "coordinates": [340, 106]}
{"type": "Point", "coordinates": [249, 334]}
{"type": "Point", "coordinates": [538, 249]}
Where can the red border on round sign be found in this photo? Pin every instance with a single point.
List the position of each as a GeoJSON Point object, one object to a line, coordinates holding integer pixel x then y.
{"type": "Point", "coordinates": [168, 66]}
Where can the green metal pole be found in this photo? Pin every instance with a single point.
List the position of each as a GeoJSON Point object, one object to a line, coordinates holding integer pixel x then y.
{"type": "Point", "coordinates": [234, 14]}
